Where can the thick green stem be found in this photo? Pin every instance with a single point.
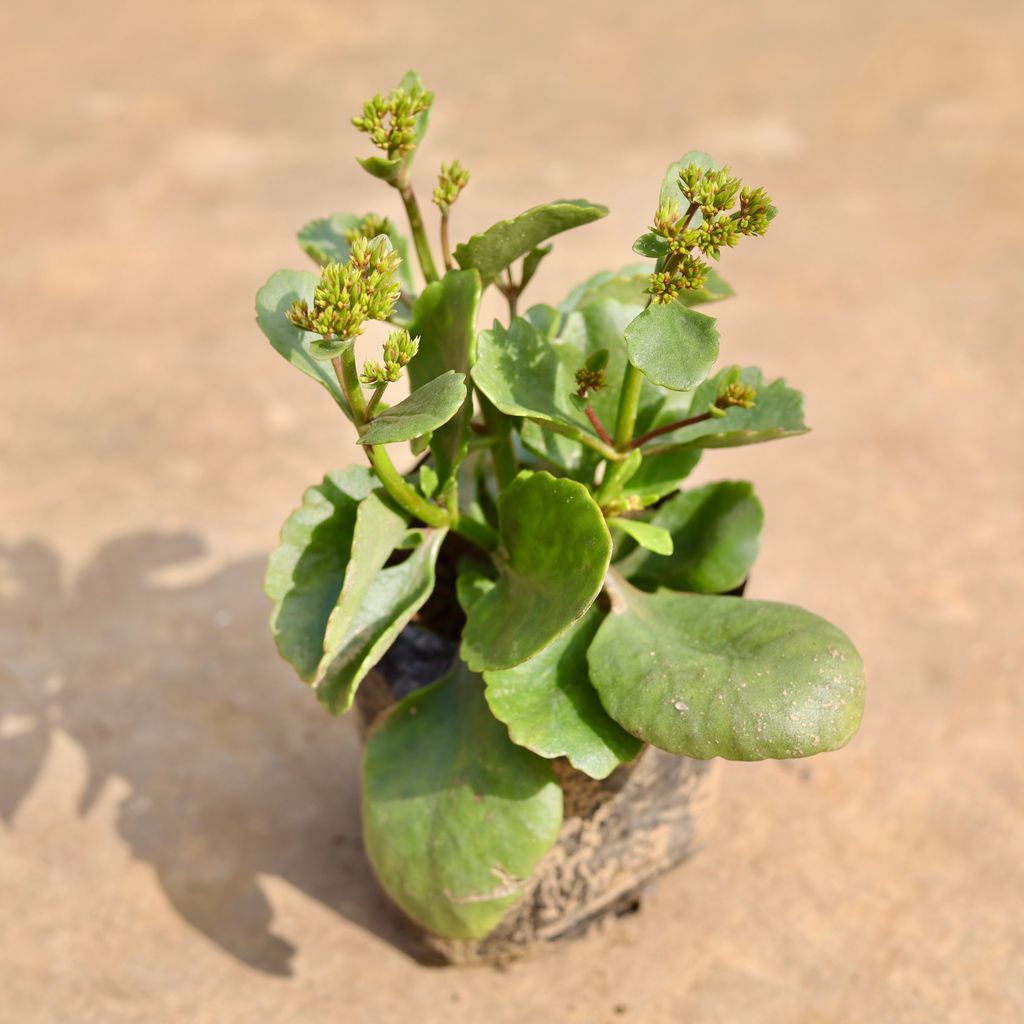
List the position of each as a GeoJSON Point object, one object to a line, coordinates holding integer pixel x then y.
{"type": "Point", "coordinates": [419, 235]}
{"type": "Point", "coordinates": [407, 496]}
{"type": "Point", "coordinates": [629, 403]}
{"type": "Point", "coordinates": [479, 532]}
{"type": "Point", "coordinates": [348, 377]}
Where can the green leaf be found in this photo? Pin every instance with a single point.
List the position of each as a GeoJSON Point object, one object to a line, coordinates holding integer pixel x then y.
{"type": "Point", "coordinates": [672, 345]}
{"type": "Point", "coordinates": [648, 535]}
{"type": "Point", "coordinates": [424, 410]}
{"type": "Point", "coordinates": [503, 243]}
{"type": "Point", "coordinates": [381, 167]}
{"type": "Point", "coordinates": [525, 374]}
{"type": "Point", "coordinates": [629, 286]}
{"type": "Point", "coordinates": [273, 301]}
{"type": "Point", "coordinates": [651, 245]}
{"type": "Point", "coordinates": [306, 571]}
{"type": "Point", "coordinates": [660, 474]}
{"type": "Point", "coordinates": [373, 611]}
{"type": "Point", "coordinates": [550, 707]}
{"type": "Point", "coordinates": [444, 319]}
{"type": "Point", "coordinates": [716, 532]}
{"type": "Point", "coordinates": [726, 677]}
{"type": "Point", "coordinates": [555, 551]}
{"type": "Point", "coordinates": [778, 412]}
{"type": "Point", "coordinates": [324, 241]}
{"type": "Point", "coordinates": [456, 817]}
{"type": "Point", "coordinates": [531, 261]}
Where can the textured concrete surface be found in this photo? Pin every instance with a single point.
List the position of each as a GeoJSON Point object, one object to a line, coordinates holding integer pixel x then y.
{"type": "Point", "coordinates": [179, 836]}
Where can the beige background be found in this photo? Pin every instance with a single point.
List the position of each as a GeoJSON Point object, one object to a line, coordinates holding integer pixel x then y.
{"type": "Point", "coordinates": [179, 836]}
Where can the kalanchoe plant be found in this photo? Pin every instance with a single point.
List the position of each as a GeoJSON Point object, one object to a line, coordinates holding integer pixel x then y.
{"type": "Point", "coordinates": [592, 610]}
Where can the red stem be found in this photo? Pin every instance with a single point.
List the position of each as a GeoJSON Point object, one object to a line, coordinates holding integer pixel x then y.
{"type": "Point", "coordinates": [599, 426]}
{"type": "Point", "coordinates": [668, 428]}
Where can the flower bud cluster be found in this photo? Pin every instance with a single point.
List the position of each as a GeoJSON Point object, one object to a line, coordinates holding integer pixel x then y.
{"type": "Point", "coordinates": [370, 226]}
{"type": "Point", "coordinates": [398, 350]}
{"type": "Point", "coordinates": [736, 394]}
{"type": "Point", "coordinates": [712, 194]}
{"type": "Point", "coordinates": [390, 120]}
{"type": "Point", "coordinates": [348, 294]}
{"type": "Point", "coordinates": [450, 183]}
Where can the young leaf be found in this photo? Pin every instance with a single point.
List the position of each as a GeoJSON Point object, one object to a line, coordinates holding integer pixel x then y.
{"type": "Point", "coordinates": [531, 261]}
{"type": "Point", "coordinates": [456, 817]}
{"type": "Point", "coordinates": [273, 301]}
{"type": "Point", "coordinates": [648, 535]}
{"type": "Point", "coordinates": [550, 707]}
{"type": "Point", "coordinates": [726, 677]}
{"type": "Point", "coordinates": [306, 571]}
{"type": "Point", "coordinates": [778, 412]}
{"type": "Point", "coordinates": [715, 530]}
{"type": "Point", "coordinates": [424, 410]}
{"type": "Point", "coordinates": [503, 243]}
{"type": "Point", "coordinates": [444, 318]}
{"type": "Point", "coordinates": [362, 627]}
{"type": "Point", "coordinates": [673, 346]}
{"type": "Point", "coordinates": [381, 167]}
{"type": "Point", "coordinates": [556, 548]}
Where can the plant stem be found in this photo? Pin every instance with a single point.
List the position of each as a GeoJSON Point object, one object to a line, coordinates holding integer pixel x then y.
{"type": "Point", "coordinates": [668, 428]}
{"type": "Point", "coordinates": [407, 496]}
{"type": "Point", "coordinates": [598, 425]}
{"type": "Point", "coordinates": [374, 401]}
{"type": "Point", "coordinates": [419, 235]}
{"type": "Point", "coordinates": [446, 246]}
{"type": "Point", "coordinates": [629, 403]}
{"type": "Point", "coordinates": [479, 532]}
{"type": "Point", "coordinates": [348, 377]}
{"type": "Point", "coordinates": [600, 447]}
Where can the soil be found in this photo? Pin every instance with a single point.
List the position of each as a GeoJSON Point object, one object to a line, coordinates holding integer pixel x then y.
{"type": "Point", "coordinates": [179, 831]}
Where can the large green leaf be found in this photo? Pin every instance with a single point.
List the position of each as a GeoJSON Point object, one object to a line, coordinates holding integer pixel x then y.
{"type": "Point", "coordinates": [715, 530]}
{"type": "Point", "coordinates": [456, 817]}
{"type": "Point", "coordinates": [550, 707]}
{"type": "Point", "coordinates": [503, 243]}
{"type": "Point", "coordinates": [555, 549]}
{"type": "Point", "coordinates": [370, 615]}
{"type": "Point", "coordinates": [423, 411]}
{"type": "Point", "coordinates": [273, 301]}
{"type": "Point", "coordinates": [324, 241]}
{"type": "Point", "coordinates": [306, 571]}
{"type": "Point", "coordinates": [673, 346]}
{"type": "Point", "coordinates": [444, 319]}
{"type": "Point", "coordinates": [778, 412]}
{"type": "Point", "coordinates": [726, 677]}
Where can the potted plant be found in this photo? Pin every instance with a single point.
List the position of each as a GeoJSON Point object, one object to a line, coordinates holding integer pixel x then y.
{"type": "Point", "coordinates": [542, 631]}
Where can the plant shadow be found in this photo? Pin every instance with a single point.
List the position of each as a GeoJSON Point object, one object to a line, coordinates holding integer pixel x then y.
{"type": "Point", "coordinates": [166, 677]}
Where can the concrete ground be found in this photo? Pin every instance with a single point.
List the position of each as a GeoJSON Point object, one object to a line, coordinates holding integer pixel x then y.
{"type": "Point", "coordinates": [179, 836]}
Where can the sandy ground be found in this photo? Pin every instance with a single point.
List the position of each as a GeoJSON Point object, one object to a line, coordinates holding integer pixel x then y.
{"type": "Point", "coordinates": [179, 837]}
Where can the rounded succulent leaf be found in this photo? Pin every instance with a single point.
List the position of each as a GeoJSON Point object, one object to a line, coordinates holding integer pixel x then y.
{"type": "Point", "coordinates": [707, 676]}
{"type": "Point", "coordinates": [555, 549]}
